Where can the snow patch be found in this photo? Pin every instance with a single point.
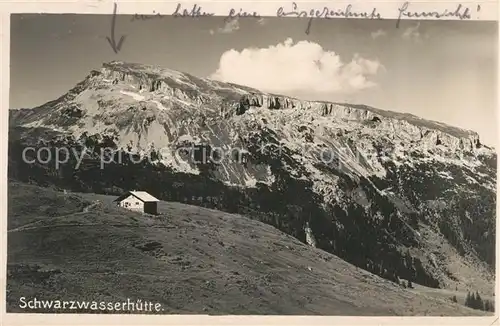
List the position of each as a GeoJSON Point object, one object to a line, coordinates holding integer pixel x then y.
{"type": "Point", "coordinates": [446, 175]}
{"type": "Point", "coordinates": [250, 181]}
{"type": "Point", "coordinates": [135, 96]}
{"type": "Point", "coordinates": [310, 240]}
{"type": "Point", "coordinates": [159, 105]}
{"type": "Point", "coordinates": [188, 138]}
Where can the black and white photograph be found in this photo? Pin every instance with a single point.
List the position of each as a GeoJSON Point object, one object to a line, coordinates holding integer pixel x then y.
{"type": "Point", "coordinates": [187, 163]}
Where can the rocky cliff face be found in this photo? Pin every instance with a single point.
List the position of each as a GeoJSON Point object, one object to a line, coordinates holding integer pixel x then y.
{"type": "Point", "coordinates": [378, 188]}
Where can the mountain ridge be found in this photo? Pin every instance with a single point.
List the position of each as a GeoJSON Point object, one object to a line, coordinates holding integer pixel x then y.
{"type": "Point", "coordinates": [384, 196]}
{"type": "Point", "coordinates": [116, 65]}
{"type": "Point", "coordinates": [152, 71]}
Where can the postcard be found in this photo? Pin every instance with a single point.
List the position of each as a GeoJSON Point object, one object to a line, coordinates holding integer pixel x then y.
{"type": "Point", "coordinates": [250, 162]}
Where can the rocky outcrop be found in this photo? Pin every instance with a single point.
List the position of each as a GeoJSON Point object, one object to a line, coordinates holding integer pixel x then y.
{"type": "Point", "coordinates": [183, 87]}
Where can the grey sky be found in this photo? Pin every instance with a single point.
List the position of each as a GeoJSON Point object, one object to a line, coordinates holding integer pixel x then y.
{"type": "Point", "coordinates": [439, 70]}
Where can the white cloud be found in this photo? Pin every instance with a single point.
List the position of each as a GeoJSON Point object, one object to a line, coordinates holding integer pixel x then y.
{"type": "Point", "coordinates": [289, 68]}
{"type": "Point", "coordinates": [414, 34]}
{"type": "Point", "coordinates": [378, 33]}
{"type": "Point", "coordinates": [229, 27]}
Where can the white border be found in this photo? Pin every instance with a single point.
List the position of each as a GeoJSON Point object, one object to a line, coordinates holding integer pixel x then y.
{"type": "Point", "coordinates": [388, 10]}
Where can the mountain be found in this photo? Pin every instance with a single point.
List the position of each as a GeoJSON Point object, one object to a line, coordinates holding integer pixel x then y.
{"type": "Point", "coordinates": [190, 260]}
{"type": "Point", "coordinates": [397, 195]}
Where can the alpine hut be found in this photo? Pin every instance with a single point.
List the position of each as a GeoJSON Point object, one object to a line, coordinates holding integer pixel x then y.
{"type": "Point", "coordinates": [139, 201]}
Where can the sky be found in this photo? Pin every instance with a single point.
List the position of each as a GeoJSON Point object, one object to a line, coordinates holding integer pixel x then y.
{"type": "Point", "coordinates": [438, 70]}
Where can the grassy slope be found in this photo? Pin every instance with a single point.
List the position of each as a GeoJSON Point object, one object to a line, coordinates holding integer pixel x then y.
{"type": "Point", "coordinates": [191, 259]}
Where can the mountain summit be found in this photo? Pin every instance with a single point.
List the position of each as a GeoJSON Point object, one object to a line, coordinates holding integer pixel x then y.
{"type": "Point", "coordinates": [400, 196]}
{"type": "Point", "coordinates": [143, 106]}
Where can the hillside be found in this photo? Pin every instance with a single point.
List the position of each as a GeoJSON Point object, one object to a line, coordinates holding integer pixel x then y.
{"type": "Point", "coordinates": [192, 260]}
{"type": "Point", "coordinates": [394, 194]}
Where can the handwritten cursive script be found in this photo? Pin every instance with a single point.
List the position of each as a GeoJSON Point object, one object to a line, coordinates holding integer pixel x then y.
{"type": "Point", "coordinates": [460, 12]}
{"type": "Point", "coordinates": [233, 14]}
{"type": "Point", "coordinates": [146, 17]}
{"type": "Point", "coordinates": [192, 13]}
{"type": "Point", "coordinates": [326, 12]}
{"type": "Point", "coordinates": [196, 11]}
